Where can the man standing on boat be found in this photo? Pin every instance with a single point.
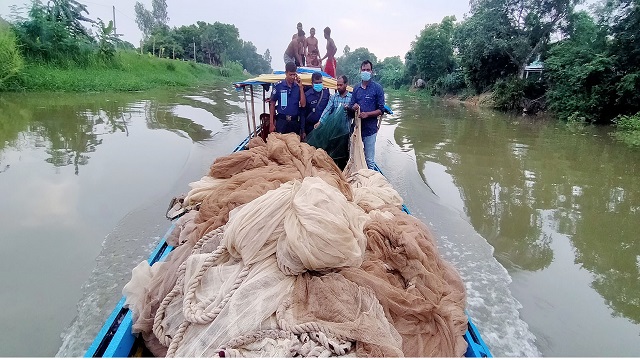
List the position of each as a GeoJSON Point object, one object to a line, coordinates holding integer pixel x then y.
{"type": "Point", "coordinates": [292, 54]}
{"type": "Point", "coordinates": [289, 97]}
{"type": "Point", "coordinates": [317, 99]}
{"type": "Point", "coordinates": [338, 101]}
{"type": "Point", "coordinates": [313, 53]}
{"type": "Point", "coordinates": [330, 67]}
{"type": "Point", "coordinates": [302, 45]}
{"type": "Point", "coordinates": [368, 97]}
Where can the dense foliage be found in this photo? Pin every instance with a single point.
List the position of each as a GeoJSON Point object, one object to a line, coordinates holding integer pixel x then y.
{"type": "Point", "coordinates": [11, 61]}
{"type": "Point", "coordinates": [60, 34]}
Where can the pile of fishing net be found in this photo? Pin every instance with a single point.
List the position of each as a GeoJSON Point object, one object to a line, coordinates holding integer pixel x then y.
{"type": "Point", "coordinates": [333, 137]}
{"type": "Point", "coordinates": [288, 256]}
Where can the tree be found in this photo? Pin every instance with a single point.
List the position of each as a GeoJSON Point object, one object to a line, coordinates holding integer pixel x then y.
{"type": "Point", "coordinates": [267, 56]}
{"type": "Point", "coordinates": [346, 50]}
{"type": "Point", "coordinates": [349, 64]}
{"type": "Point", "coordinates": [144, 19]}
{"type": "Point", "coordinates": [220, 42]}
{"type": "Point", "coordinates": [516, 30]}
{"type": "Point", "coordinates": [432, 52]}
{"type": "Point", "coordinates": [70, 14]}
{"type": "Point", "coordinates": [391, 72]}
{"type": "Point", "coordinates": [159, 12]}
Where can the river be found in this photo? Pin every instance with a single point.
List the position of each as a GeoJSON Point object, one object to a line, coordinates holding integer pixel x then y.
{"type": "Point", "coordinates": [540, 219]}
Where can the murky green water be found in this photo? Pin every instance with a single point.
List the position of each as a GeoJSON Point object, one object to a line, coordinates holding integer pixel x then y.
{"type": "Point", "coordinates": [561, 207]}
{"type": "Point", "coordinates": [85, 180]}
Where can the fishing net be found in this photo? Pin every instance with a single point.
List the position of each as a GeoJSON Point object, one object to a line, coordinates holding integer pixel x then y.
{"type": "Point", "coordinates": [333, 137]}
{"type": "Point", "coordinates": [287, 257]}
{"type": "Point", "coordinates": [356, 159]}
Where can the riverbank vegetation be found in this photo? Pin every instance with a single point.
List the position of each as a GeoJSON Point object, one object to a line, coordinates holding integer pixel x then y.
{"type": "Point", "coordinates": [589, 60]}
{"type": "Point", "coordinates": [58, 47]}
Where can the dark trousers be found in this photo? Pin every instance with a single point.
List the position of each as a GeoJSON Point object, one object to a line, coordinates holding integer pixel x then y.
{"type": "Point", "coordinates": [285, 126]}
{"type": "Point", "coordinates": [308, 127]}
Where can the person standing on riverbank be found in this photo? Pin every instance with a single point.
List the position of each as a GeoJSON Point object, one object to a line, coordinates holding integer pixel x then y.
{"type": "Point", "coordinates": [330, 67]}
{"type": "Point", "coordinates": [287, 98]}
{"type": "Point", "coordinates": [368, 97]}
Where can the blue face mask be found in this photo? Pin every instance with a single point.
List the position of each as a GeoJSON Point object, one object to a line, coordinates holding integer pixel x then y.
{"type": "Point", "coordinates": [365, 75]}
{"type": "Point", "coordinates": [317, 87]}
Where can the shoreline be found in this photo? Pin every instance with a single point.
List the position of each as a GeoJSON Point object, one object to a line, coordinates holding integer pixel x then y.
{"type": "Point", "coordinates": [128, 72]}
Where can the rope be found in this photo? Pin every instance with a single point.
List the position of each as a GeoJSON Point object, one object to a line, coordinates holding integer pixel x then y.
{"type": "Point", "coordinates": [196, 312]}
{"type": "Point", "coordinates": [158, 328]}
{"type": "Point", "coordinates": [308, 327]}
{"type": "Point", "coordinates": [229, 349]}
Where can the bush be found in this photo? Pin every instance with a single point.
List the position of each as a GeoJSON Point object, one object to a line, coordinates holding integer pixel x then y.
{"type": "Point", "coordinates": [508, 94]}
{"type": "Point", "coordinates": [628, 129]}
{"type": "Point", "coordinates": [11, 61]}
{"type": "Point", "coordinates": [452, 83]}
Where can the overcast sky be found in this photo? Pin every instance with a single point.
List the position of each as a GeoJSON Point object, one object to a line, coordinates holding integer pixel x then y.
{"type": "Point", "coordinates": [386, 28]}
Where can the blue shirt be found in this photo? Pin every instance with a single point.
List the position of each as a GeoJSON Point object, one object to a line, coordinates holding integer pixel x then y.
{"type": "Point", "coordinates": [336, 102]}
{"type": "Point", "coordinates": [282, 90]}
{"type": "Point", "coordinates": [369, 99]}
{"type": "Point", "coordinates": [316, 103]}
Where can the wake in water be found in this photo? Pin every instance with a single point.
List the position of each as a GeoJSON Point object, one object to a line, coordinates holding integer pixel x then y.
{"type": "Point", "coordinates": [490, 303]}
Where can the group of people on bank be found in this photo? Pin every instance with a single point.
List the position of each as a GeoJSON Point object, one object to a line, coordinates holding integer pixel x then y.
{"type": "Point", "coordinates": [294, 110]}
{"type": "Point", "coordinates": [303, 51]}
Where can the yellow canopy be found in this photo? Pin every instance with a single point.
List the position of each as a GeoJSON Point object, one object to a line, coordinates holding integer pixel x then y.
{"type": "Point", "coordinates": [328, 83]}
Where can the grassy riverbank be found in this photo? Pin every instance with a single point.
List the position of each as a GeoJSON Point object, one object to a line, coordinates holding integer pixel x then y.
{"type": "Point", "coordinates": [128, 71]}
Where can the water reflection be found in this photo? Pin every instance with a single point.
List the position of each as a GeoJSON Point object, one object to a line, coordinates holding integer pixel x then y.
{"type": "Point", "coordinates": [512, 172]}
{"type": "Point", "coordinates": [71, 130]}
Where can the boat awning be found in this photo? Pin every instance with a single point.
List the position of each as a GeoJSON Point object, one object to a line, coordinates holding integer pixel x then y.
{"type": "Point", "coordinates": [304, 73]}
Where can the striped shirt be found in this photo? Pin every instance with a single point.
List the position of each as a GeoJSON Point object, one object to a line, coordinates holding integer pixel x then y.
{"type": "Point", "coordinates": [335, 102]}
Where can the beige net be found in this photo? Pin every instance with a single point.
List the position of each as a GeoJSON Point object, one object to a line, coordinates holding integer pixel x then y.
{"type": "Point", "coordinates": [285, 257]}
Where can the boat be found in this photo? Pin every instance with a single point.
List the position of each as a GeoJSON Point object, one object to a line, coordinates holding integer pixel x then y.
{"type": "Point", "coordinates": [115, 338]}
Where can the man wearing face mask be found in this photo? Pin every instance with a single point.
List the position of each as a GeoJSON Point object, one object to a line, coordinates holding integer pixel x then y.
{"type": "Point", "coordinates": [317, 99]}
{"type": "Point", "coordinates": [368, 96]}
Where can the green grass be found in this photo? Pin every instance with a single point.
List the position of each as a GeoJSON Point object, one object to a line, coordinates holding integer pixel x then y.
{"type": "Point", "coordinates": [129, 71]}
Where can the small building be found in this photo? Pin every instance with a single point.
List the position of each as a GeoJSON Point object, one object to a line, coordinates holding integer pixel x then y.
{"type": "Point", "coordinates": [535, 67]}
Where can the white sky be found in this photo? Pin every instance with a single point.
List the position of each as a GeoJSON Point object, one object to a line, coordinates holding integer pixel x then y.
{"type": "Point", "coordinates": [386, 28]}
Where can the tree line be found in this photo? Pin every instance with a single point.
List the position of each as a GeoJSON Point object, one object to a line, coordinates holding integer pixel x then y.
{"type": "Point", "coordinates": [213, 44]}
{"type": "Point", "coordinates": [61, 33]}
{"type": "Point", "coordinates": [591, 59]}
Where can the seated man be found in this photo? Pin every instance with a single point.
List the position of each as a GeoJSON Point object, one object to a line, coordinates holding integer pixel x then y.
{"type": "Point", "coordinates": [316, 99]}
{"type": "Point", "coordinates": [313, 54]}
{"type": "Point", "coordinates": [286, 99]}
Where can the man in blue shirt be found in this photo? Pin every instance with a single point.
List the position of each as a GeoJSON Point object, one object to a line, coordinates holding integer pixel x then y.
{"type": "Point", "coordinates": [289, 97]}
{"type": "Point", "coordinates": [368, 96]}
{"type": "Point", "coordinates": [338, 101]}
{"type": "Point", "coordinates": [316, 99]}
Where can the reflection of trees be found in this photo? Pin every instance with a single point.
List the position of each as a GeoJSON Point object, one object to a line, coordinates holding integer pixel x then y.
{"type": "Point", "coordinates": [159, 116]}
{"type": "Point", "coordinates": [72, 126]}
{"type": "Point", "coordinates": [511, 174]}
{"type": "Point", "coordinates": [13, 121]}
